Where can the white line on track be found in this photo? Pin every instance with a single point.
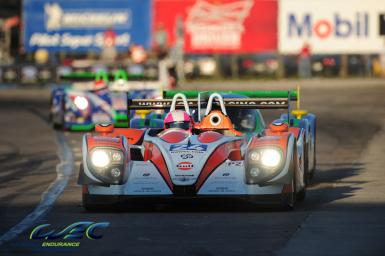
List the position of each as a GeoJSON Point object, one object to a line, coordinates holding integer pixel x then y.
{"type": "Point", "coordinates": [49, 196]}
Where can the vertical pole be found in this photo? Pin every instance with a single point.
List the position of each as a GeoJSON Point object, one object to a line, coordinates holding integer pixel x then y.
{"type": "Point", "coordinates": [298, 97]}
{"type": "Point", "coordinates": [234, 66]}
{"type": "Point", "coordinates": [344, 66]}
{"type": "Point", "coordinates": [281, 66]}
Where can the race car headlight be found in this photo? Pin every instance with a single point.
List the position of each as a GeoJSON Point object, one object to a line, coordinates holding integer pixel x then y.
{"type": "Point", "coordinates": [271, 158]}
{"type": "Point", "coordinates": [263, 163]}
{"type": "Point", "coordinates": [81, 102]}
{"type": "Point", "coordinates": [268, 158]}
{"type": "Point", "coordinates": [100, 158]}
{"type": "Point", "coordinates": [107, 164]}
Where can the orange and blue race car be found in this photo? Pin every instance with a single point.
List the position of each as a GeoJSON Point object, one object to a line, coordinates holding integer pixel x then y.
{"type": "Point", "coordinates": [225, 150]}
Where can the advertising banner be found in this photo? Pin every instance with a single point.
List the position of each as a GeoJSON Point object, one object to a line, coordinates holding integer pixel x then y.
{"type": "Point", "coordinates": [330, 27]}
{"type": "Point", "coordinates": [81, 25]}
{"type": "Point", "coordinates": [211, 26]}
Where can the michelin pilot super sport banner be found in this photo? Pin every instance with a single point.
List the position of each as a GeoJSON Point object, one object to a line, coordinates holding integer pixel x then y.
{"type": "Point", "coordinates": [226, 26]}
{"type": "Point", "coordinates": [79, 25]}
{"type": "Point", "coordinates": [330, 26]}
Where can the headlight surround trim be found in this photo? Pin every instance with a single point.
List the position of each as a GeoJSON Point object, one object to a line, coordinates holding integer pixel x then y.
{"type": "Point", "coordinates": [104, 173]}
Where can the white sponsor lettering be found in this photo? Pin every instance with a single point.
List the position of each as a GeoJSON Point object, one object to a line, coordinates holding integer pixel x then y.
{"type": "Point", "coordinates": [74, 41]}
{"type": "Point", "coordinates": [41, 39]}
{"type": "Point", "coordinates": [57, 18]}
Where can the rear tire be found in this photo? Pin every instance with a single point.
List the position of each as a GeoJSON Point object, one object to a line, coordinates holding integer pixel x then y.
{"type": "Point", "coordinates": [312, 170]}
{"type": "Point", "coordinates": [307, 174]}
{"type": "Point", "coordinates": [59, 125]}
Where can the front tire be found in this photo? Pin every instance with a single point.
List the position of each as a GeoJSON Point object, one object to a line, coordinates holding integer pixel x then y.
{"type": "Point", "coordinates": [301, 195]}
{"type": "Point", "coordinates": [89, 203]}
{"type": "Point", "coordinates": [288, 199]}
{"type": "Point", "coordinates": [96, 202]}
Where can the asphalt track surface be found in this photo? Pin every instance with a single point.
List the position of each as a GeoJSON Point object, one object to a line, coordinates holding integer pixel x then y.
{"type": "Point", "coordinates": [343, 214]}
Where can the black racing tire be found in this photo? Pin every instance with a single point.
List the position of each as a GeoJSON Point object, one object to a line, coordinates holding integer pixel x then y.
{"type": "Point", "coordinates": [88, 203]}
{"type": "Point", "coordinates": [313, 168]}
{"type": "Point", "coordinates": [288, 200]}
{"type": "Point", "coordinates": [55, 125]}
{"type": "Point", "coordinates": [98, 202]}
{"type": "Point", "coordinates": [306, 175]}
{"type": "Point", "coordinates": [301, 195]}
{"type": "Point", "coordinates": [312, 171]}
{"type": "Point", "coordinates": [306, 171]}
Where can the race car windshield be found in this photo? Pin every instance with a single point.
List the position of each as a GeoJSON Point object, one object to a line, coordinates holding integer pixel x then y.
{"type": "Point", "coordinates": [244, 120]}
{"type": "Point", "coordinates": [181, 125]}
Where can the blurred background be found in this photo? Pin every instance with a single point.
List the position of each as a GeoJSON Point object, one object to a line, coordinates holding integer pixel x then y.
{"type": "Point", "coordinates": [197, 39]}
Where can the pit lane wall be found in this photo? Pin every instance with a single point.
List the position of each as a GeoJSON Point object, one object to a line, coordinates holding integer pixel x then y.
{"type": "Point", "coordinates": [208, 26]}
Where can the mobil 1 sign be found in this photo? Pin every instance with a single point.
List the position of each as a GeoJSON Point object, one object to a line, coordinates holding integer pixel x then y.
{"type": "Point", "coordinates": [72, 25]}
{"type": "Point", "coordinates": [329, 26]}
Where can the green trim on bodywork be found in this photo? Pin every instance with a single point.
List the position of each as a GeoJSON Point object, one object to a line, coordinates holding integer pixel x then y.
{"type": "Point", "coordinates": [120, 120]}
{"type": "Point", "coordinates": [151, 123]}
{"type": "Point", "coordinates": [295, 122]}
{"type": "Point", "coordinates": [250, 94]}
{"type": "Point", "coordinates": [81, 127]}
{"type": "Point", "coordinates": [79, 75]}
{"type": "Point", "coordinates": [121, 117]}
{"type": "Point", "coordinates": [121, 124]}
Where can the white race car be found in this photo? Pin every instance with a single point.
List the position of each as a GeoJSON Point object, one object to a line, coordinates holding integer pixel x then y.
{"type": "Point", "coordinates": [217, 158]}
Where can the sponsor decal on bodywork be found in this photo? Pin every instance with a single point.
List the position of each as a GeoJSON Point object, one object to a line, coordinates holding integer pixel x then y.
{"type": "Point", "coordinates": [185, 166]}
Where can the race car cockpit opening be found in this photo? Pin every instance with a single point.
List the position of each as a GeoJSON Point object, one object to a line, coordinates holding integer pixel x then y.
{"type": "Point", "coordinates": [244, 120]}
{"type": "Point", "coordinates": [181, 125]}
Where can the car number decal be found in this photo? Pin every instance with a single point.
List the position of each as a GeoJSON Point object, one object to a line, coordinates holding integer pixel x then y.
{"type": "Point", "coordinates": [191, 147]}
